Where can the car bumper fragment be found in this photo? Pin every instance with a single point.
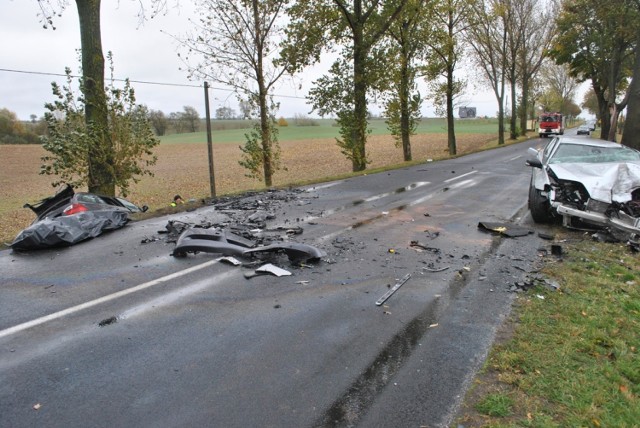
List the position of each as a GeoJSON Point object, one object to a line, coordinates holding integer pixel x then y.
{"type": "Point", "coordinates": [228, 244]}
{"type": "Point", "coordinates": [624, 222]}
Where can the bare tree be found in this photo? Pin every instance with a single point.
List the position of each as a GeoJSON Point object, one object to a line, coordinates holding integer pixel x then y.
{"type": "Point", "coordinates": [235, 43]}
{"type": "Point", "coordinates": [190, 118]}
{"type": "Point", "coordinates": [559, 86]}
{"type": "Point", "coordinates": [488, 38]}
{"type": "Point", "coordinates": [159, 121]}
{"type": "Point", "coordinates": [451, 20]}
{"type": "Point", "coordinates": [538, 29]}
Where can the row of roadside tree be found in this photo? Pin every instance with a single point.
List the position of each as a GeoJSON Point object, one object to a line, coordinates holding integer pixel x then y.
{"type": "Point", "coordinates": [379, 51]}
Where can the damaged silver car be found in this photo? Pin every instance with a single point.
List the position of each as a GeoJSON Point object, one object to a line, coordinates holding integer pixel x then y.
{"type": "Point", "coordinates": [589, 182]}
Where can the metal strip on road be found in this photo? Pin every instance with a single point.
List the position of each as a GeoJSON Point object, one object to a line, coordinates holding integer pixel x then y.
{"type": "Point", "coordinates": [29, 324]}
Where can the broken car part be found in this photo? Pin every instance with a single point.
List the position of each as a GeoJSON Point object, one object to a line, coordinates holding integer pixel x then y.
{"type": "Point", "coordinates": [506, 229]}
{"type": "Point", "coordinates": [273, 270]}
{"type": "Point", "coordinates": [393, 289]}
{"type": "Point", "coordinates": [229, 244]}
{"type": "Point", "coordinates": [69, 217]}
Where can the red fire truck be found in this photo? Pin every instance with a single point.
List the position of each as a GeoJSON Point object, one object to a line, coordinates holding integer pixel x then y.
{"type": "Point", "coordinates": [550, 124]}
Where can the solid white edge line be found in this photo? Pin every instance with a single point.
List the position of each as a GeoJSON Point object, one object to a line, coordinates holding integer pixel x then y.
{"type": "Point", "coordinates": [24, 326]}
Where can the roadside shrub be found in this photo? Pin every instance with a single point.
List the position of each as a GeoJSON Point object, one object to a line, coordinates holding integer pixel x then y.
{"type": "Point", "coordinates": [27, 138]}
{"type": "Point", "coordinates": [283, 122]}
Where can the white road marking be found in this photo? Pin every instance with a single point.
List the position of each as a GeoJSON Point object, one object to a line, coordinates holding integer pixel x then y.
{"type": "Point", "coordinates": [465, 183]}
{"type": "Point", "coordinates": [460, 176]}
{"type": "Point", "coordinates": [29, 324]}
{"type": "Point", "coordinates": [514, 158]}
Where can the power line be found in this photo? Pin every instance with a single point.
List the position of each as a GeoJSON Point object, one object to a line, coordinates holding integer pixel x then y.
{"type": "Point", "coordinates": [41, 73]}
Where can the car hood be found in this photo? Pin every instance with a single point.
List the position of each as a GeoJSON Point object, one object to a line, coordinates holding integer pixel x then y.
{"type": "Point", "coordinates": [606, 182]}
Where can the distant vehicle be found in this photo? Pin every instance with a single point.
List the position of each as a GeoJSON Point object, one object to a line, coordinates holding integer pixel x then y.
{"type": "Point", "coordinates": [594, 181]}
{"type": "Point", "coordinates": [583, 130]}
{"type": "Point", "coordinates": [592, 125]}
{"type": "Point", "coordinates": [551, 124]}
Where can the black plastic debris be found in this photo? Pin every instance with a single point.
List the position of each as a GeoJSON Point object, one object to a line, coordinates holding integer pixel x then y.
{"type": "Point", "coordinates": [229, 244]}
{"type": "Point", "coordinates": [421, 246]}
{"type": "Point", "coordinates": [506, 229]}
{"type": "Point", "coordinates": [69, 217]}
{"type": "Point", "coordinates": [546, 236]}
{"type": "Point", "coordinates": [68, 230]}
{"type": "Point", "coordinates": [108, 321]}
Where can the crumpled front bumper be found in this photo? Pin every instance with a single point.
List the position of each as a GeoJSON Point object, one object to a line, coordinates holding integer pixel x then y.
{"type": "Point", "coordinates": [623, 222]}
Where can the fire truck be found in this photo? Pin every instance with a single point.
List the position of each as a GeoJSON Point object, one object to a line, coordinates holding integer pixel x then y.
{"type": "Point", "coordinates": [550, 124]}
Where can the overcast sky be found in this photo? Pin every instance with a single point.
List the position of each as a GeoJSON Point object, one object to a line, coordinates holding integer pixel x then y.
{"type": "Point", "coordinates": [141, 53]}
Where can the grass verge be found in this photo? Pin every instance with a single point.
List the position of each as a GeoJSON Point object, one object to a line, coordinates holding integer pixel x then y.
{"type": "Point", "coordinates": [571, 359]}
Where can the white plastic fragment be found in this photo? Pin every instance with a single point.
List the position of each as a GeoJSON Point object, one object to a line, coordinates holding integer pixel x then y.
{"type": "Point", "coordinates": [273, 269]}
{"type": "Point", "coordinates": [231, 260]}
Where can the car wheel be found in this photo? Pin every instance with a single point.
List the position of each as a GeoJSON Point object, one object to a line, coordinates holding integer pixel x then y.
{"type": "Point", "coordinates": [539, 206]}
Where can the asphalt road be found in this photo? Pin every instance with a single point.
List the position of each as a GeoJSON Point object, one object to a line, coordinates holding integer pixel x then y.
{"type": "Point", "coordinates": [114, 332]}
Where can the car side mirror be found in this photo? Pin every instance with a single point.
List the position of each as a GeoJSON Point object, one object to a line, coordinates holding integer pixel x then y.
{"type": "Point", "coordinates": [534, 163]}
{"type": "Point", "coordinates": [533, 152]}
{"type": "Point", "coordinates": [145, 208]}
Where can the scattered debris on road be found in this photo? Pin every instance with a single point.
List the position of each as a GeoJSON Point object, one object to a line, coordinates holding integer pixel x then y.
{"type": "Point", "coordinates": [273, 270]}
{"type": "Point", "coordinates": [393, 289]}
{"type": "Point", "coordinates": [506, 229]}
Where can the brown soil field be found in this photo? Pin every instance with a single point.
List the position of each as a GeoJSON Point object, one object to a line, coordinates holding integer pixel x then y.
{"type": "Point", "coordinates": [183, 169]}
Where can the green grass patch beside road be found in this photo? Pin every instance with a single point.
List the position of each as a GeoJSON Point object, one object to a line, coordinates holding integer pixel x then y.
{"type": "Point", "coordinates": [572, 360]}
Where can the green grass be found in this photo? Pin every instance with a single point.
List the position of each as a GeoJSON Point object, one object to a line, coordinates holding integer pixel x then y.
{"type": "Point", "coordinates": [495, 405]}
{"type": "Point", "coordinates": [326, 129]}
{"type": "Point", "coordinates": [573, 359]}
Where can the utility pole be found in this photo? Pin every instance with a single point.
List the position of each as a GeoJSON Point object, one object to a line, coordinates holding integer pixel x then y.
{"type": "Point", "coordinates": [212, 178]}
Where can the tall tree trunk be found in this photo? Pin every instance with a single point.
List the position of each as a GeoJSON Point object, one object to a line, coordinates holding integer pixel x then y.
{"type": "Point", "coordinates": [605, 114]}
{"type": "Point", "coordinates": [513, 134]}
{"type": "Point", "coordinates": [404, 107]}
{"type": "Point", "coordinates": [265, 128]}
{"type": "Point", "coordinates": [451, 133]}
{"type": "Point", "coordinates": [631, 133]}
{"type": "Point", "coordinates": [101, 173]}
{"type": "Point", "coordinates": [359, 133]}
{"type": "Point", "coordinates": [615, 114]}
{"type": "Point", "coordinates": [524, 105]}
{"type": "Point", "coordinates": [501, 123]}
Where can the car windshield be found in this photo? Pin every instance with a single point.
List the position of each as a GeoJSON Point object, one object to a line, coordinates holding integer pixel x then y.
{"type": "Point", "coordinates": [577, 153]}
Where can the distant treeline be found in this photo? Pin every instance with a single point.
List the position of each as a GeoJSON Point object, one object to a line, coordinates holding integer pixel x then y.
{"type": "Point", "coordinates": [15, 131]}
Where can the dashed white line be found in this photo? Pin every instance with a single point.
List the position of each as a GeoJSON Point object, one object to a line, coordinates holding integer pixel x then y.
{"type": "Point", "coordinates": [459, 176]}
